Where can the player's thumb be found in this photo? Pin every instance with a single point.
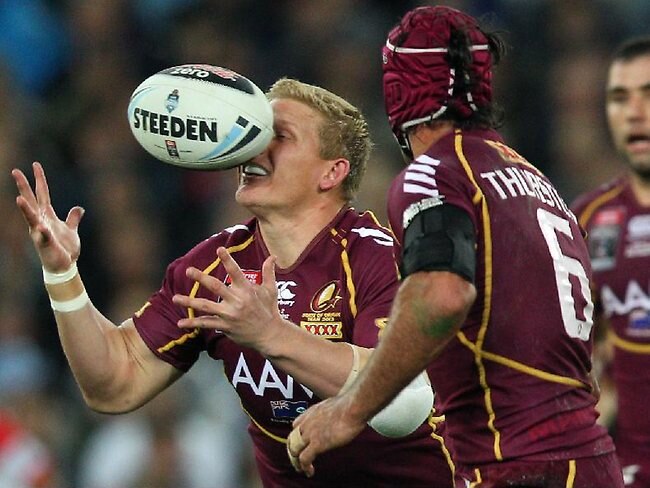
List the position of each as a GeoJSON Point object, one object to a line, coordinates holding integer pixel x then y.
{"type": "Point", "coordinates": [74, 217]}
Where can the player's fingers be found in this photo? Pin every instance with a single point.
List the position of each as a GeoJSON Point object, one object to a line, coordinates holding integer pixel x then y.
{"type": "Point", "coordinates": [74, 217]}
{"type": "Point", "coordinates": [42, 189]}
{"type": "Point", "coordinates": [209, 282]}
{"type": "Point", "coordinates": [268, 275]}
{"type": "Point", "coordinates": [295, 442]}
{"type": "Point", "coordinates": [209, 321]}
{"type": "Point", "coordinates": [202, 305]}
{"type": "Point", "coordinates": [30, 213]}
{"type": "Point", "coordinates": [232, 268]}
{"type": "Point", "coordinates": [306, 460]}
{"type": "Point", "coordinates": [295, 445]}
{"type": "Point", "coordinates": [24, 188]}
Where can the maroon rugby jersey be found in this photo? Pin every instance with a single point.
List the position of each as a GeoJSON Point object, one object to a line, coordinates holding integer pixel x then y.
{"type": "Point", "coordinates": [340, 289]}
{"type": "Point", "coordinates": [514, 382]}
{"type": "Point", "coordinates": [618, 237]}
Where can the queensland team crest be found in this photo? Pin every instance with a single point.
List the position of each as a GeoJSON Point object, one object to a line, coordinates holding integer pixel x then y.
{"type": "Point", "coordinates": [172, 101]}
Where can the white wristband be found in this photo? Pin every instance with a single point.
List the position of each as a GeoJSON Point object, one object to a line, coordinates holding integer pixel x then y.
{"type": "Point", "coordinates": [57, 278]}
{"type": "Point", "coordinates": [72, 305]}
{"type": "Point", "coordinates": [354, 371]}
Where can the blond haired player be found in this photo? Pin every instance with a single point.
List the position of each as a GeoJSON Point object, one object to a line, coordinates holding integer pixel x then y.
{"type": "Point", "coordinates": [279, 299]}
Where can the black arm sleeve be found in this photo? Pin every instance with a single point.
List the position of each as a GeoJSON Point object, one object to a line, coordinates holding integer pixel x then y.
{"type": "Point", "coordinates": [440, 238]}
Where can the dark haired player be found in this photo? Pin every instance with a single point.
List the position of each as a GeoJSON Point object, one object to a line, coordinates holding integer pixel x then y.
{"type": "Point", "coordinates": [287, 300]}
{"type": "Point", "coordinates": [495, 299]}
{"type": "Point", "coordinates": [616, 217]}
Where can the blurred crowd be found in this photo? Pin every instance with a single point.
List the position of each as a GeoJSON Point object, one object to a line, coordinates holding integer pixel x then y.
{"type": "Point", "coordinates": [67, 69]}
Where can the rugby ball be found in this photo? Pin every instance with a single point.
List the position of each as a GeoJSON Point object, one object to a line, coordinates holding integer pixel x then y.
{"type": "Point", "coordinates": [200, 116]}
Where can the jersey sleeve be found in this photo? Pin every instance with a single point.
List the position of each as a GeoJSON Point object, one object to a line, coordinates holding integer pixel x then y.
{"type": "Point", "coordinates": [376, 281]}
{"type": "Point", "coordinates": [156, 321]}
{"type": "Point", "coordinates": [426, 183]}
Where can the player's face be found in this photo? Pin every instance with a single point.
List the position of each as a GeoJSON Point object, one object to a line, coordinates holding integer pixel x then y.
{"type": "Point", "coordinates": [286, 175]}
{"type": "Point", "coordinates": [628, 111]}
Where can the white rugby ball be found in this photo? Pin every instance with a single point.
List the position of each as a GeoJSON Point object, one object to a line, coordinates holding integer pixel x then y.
{"type": "Point", "coordinates": [200, 116]}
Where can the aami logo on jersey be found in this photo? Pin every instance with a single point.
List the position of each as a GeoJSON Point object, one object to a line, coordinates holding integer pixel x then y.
{"type": "Point", "coordinates": [636, 299]}
{"type": "Point", "coordinates": [326, 297]}
{"type": "Point", "coordinates": [251, 275]}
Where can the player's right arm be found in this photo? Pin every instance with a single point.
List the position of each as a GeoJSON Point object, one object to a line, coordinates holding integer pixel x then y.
{"type": "Point", "coordinates": [113, 367]}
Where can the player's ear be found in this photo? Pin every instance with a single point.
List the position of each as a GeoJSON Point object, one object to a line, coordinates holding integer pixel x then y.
{"type": "Point", "coordinates": [336, 171]}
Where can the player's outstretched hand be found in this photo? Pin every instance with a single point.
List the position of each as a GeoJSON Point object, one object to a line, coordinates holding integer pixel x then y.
{"type": "Point", "coordinates": [324, 426]}
{"type": "Point", "coordinates": [57, 242]}
{"type": "Point", "coordinates": [246, 312]}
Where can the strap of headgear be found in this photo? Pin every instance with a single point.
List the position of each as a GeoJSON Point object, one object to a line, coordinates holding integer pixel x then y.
{"type": "Point", "coordinates": [419, 83]}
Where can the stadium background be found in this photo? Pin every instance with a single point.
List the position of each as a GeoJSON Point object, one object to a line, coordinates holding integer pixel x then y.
{"type": "Point", "coordinates": [67, 69]}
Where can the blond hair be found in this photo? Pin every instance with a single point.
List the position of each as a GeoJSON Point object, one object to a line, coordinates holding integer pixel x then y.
{"type": "Point", "coordinates": [344, 133]}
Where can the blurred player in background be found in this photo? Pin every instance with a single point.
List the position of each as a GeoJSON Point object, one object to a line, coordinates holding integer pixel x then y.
{"type": "Point", "coordinates": [616, 217]}
{"type": "Point", "coordinates": [25, 461]}
{"type": "Point", "coordinates": [279, 299]}
{"type": "Point", "coordinates": [495, 299]}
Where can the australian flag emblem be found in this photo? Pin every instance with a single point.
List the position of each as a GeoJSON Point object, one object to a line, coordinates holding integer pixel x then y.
{"type": "Point", "coordinates": [286, 410]}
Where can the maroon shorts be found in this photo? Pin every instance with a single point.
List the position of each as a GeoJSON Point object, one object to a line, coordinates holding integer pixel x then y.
{"type": "Point", "coordinates": [593, 472]}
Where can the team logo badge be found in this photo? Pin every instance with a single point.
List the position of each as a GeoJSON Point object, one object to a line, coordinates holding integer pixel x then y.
{"type": "Point", "coordinates": [324, 319]}
{"type": "Point", "coordinates": [285, 293]}
{"type": "Point", "coordinates": [172, 149]}
{"type": "Point", "coordinates": [507, 153]}
{"type": "Point", "coordinates": [172, 101]}
{"type": "Point", "coordinates": [326, 297]}
{"type": "Point", "coordinates": [604, 237]}
{"type": "Point", "coordinates": [251, 275]}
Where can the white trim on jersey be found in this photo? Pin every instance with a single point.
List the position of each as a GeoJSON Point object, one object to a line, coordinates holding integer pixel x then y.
{"type": "Point", "coordinates": [381, 238]}
{"type": "Point", "coordinates": [420, 178]}
{"type": "Point", "coordinates": [422, 168]}
{"type": "Point", "coordinates": [424, 159]}
{"type": "Point", "coordinates": [411, 188]}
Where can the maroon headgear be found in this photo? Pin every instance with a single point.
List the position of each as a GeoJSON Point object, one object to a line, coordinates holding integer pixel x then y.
{"type": "Point", "coordinates": [418, 81]}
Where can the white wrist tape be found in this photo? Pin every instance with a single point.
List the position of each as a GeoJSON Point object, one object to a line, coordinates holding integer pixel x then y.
{"type": "Point", "coordinates": [72, 305]}
{"type": "Point", "coordinates": [57, 278]}
{"type": "Point", "coordinates": [408, 410]}
{"type": "Point", "coordinates": [354, 371]}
